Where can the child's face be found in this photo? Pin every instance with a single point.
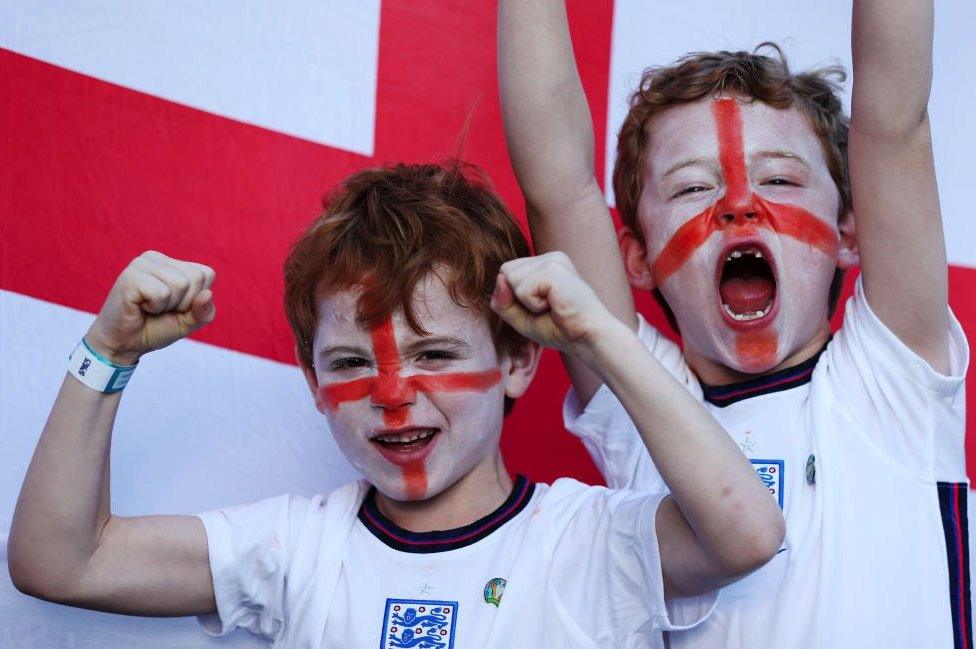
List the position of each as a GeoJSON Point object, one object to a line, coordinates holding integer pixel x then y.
{"type": "Point", "coordinates": [412, 413]}
{"type": "Point", "coordinates": [739, 215]}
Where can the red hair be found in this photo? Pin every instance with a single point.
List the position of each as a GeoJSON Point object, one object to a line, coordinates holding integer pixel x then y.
{"type": "Point", "coordinates": [392, 225]}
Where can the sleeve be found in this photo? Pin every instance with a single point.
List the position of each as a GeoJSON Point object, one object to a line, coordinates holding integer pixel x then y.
{"type": "Point", "coordinates": [913, 413]}
{"type": "Point", "coordinates": [607, 571]}
{"type": "Point", "coordinates": [607, 431]}
{"type": "Point", "coordinates": [248, 564]}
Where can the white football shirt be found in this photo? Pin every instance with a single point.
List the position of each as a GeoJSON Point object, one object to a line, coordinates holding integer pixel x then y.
{"type": "Point", "coordinates": [862, 447]}
{"type": "Point", "coordinates": [566, 565]}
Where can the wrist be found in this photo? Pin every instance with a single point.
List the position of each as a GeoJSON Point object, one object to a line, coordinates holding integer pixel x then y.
{"type": "Point", "coordinates": [96, 342]}
{"type": "Point", "coordinates": [604, 344]}
{"type": "Point", "coordinates": [96, 371]}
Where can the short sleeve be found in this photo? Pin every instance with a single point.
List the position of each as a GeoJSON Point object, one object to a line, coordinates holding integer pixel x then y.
{"type": "Point", "coordinates": [248, 564]}
{"type": "Point", "coordinates": [915, 414]}
{"type": "Point", "coordinates": [607, 431]}
{"type": "Point", "coordinates": [608, 575]}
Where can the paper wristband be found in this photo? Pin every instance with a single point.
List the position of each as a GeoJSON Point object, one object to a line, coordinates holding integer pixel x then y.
{"type": "Point", "coordinates": [96, 371]}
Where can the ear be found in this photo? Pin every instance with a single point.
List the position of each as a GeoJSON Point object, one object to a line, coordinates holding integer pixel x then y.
{"type": "Point", "coordinates": [310, 379]}
{"type": "Point", "coordinates": [636, 264]}
{"type": "Point", "coordinates": [520, 369]}
{"type": "Point", "coordinates": [847, 255]}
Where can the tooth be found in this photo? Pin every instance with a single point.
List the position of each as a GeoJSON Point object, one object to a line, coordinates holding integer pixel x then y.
{"type": "Point", "coordinates": [736, 254]}
{"type": "Point", "coordinates": [758, 254]}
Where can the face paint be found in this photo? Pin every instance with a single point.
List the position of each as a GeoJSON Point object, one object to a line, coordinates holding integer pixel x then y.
{"type": "Point", "coordinates": [740, 213]}
{"type": "Point", "coordinates": [415, 479]}
{"type": "Point", "coordinates": [395, 393]}
{"type": "Point", "coordinates": [755, 348]}
{"type": "Point", "coordinates": [739, 210]}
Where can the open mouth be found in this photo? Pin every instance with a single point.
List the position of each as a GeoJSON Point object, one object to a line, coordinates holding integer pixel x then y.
{"type": "Point", "coordinates": [747, 284]}
{"type": "Point", "coordinates": [405, 441]}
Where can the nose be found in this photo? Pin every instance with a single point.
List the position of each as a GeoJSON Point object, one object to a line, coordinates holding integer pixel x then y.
{"type": "Point", "coordinates": [737, 211]}
{"type": "Point", "coordinates": [392, 391]}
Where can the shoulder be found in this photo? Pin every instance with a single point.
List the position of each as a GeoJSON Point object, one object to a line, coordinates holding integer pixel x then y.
{"type": "Point", "coordinates": [288, 514]}
{"type": "Point", "coordinates": [570, 502]}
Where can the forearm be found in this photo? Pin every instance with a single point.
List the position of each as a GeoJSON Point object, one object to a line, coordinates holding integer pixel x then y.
{"type": "Point", "coordinates": [550, 140]}
{"type": "Point", "coordinates": [64, 501]}
{"type": "Point", "coordinates": [547, 120]}
{"type": "Point", "coordinates": [891, 42]}
{"type": "Point", "coordinates": [713, 484]}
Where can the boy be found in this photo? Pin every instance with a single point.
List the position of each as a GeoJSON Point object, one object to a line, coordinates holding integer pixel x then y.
{"type": "Point", "coordinates": [390, 295]}
{"type": "Point", "coordinates": [731, 181]}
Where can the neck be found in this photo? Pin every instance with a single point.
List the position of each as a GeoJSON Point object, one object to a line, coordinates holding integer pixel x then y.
{"type": "Point", "coordinates": [714, 373]}
{"type": "Point", "coordinates": [477, 494]}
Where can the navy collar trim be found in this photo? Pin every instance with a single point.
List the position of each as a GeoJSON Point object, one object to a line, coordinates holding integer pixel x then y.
{"type": "Point", "coordinates": [442, 540]}
{"type": "Point", "coordinates": [785, 379]}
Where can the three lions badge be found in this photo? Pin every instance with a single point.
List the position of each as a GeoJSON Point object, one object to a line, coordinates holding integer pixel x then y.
{"type": "Point", "coordinates": [424, 624]}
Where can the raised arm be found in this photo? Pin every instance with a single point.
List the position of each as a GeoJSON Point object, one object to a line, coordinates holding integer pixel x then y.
{"type": "Point", "coordinates": [896, 200]}
{"type": "Point", "coordinates": [550, 141]}
{"type": "Point", "coordinates": [65, 545]}
{"type": "Point", "coordinates": [720, 522]}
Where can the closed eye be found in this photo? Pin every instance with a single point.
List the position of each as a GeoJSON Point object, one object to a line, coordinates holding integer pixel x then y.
{"type": "Point", "coordinates": [781, 182]}
{"type": "Point", "coordinates": [694, 189]}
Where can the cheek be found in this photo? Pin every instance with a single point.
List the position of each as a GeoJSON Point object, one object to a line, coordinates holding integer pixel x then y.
{"type": "Point", "coordinates": [808, 270]}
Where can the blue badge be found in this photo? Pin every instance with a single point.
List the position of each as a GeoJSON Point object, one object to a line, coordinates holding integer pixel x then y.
{"type": "Point", "coordinates": [425, 624]}
{"type": "Point", "coordinates": [771, 473]}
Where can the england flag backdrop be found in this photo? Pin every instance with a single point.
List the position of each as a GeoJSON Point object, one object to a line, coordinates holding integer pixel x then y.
{"type": "Point", "coordinates": [210, 131]}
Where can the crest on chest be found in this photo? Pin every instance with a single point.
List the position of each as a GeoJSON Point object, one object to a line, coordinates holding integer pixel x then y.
{"type": "Point", "coordinates": [771, 472]}
{"type": "Point", "coordinates": [424, 624]}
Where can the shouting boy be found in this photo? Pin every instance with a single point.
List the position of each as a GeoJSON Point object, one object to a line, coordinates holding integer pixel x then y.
{"type": "Point", "coordinates": [409, 308]}
{"type": "Point", "coordinates": [738, 206]}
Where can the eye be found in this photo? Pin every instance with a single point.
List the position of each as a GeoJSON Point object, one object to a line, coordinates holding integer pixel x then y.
{"type": "Point", "coordinates": [348, 363]}
{"type": "Point", "coordinates": [781, 181]}
{"type": "Point", "coordinates": [435, 357]}
{"type": "Point", "coordinates": [693, 189]}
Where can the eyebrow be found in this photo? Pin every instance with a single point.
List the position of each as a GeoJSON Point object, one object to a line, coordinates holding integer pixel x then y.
{"type": "Point", "coordinates": [449, 342]}
{"type": "Point", "coordinates": [688, 162]}
{"type": "Point", "coordinates": [773, 153]}
{"type": "Point", "coordinates": [426, 342]}
{"type": "Point", "coordinates": [710, 163]}
{"type": "Point", "coordinates": [343, 349]}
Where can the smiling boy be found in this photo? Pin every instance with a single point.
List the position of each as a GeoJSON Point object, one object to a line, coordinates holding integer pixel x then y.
{"type": "Point", "coordinates": [409, 309]}
{"type": "Point", "coordinates": [738, 206]}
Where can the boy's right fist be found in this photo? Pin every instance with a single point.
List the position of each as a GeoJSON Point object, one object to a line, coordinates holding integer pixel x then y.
{"type": "Point", "coordinates": [154, 302]}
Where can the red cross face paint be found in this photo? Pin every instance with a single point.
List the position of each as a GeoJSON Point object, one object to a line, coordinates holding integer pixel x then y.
{"type": "Point", "coordinates": [413, 413]}
{"type": "Point", "coordinates": [739, 216]}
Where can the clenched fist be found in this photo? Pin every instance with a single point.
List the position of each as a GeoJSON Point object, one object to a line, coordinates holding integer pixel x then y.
{"type": "Point", "coordinates": [154, 302]}
{"type": "Point", "coordinates": [545, 299]}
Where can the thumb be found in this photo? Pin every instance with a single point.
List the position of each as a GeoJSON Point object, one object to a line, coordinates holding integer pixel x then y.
{"type": "Point", "coordinates": [511, 311]}
{"type": "Point", "coordinates": [503, 296]}
{"type": "Point", "coordinates": [202, 311]}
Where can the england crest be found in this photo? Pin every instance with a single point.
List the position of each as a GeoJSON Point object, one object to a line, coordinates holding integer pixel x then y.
{"type": "Point", "coordinates": [424, 624]}
{"type": "Point", "coordinates": [771, 473]}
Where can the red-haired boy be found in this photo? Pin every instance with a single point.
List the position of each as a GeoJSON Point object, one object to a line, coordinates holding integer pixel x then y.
{"type": "Point", "coordinates": [732, 183]}
{"type": "Point", "coordinates": [394, 296]}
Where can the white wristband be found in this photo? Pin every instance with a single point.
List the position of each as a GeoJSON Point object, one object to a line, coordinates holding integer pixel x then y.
{"type": "Point", "coordinates": [96, 371]}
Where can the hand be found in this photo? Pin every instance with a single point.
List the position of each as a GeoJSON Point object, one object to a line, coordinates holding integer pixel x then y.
{"type": "Point", "coordinates": [545, 299]}
{"type": "Point", "coordinates": [154, 302]}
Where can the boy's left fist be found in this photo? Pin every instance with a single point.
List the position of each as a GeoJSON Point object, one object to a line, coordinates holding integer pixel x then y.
{"type": "Point", "coordinates": [545, 299]}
